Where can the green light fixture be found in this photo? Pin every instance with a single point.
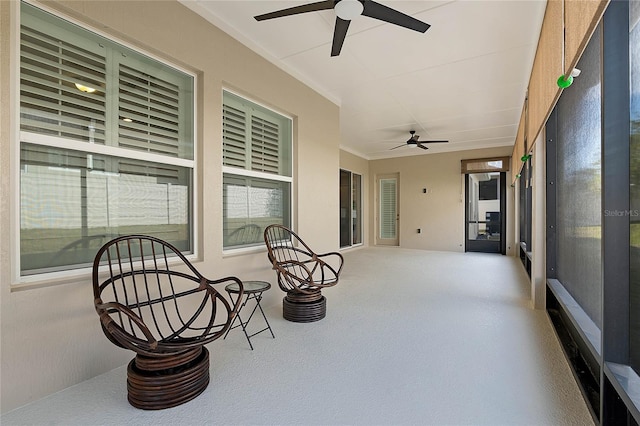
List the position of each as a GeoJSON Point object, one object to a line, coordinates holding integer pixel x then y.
{"type": "Point", "coordinates": [564, 82]}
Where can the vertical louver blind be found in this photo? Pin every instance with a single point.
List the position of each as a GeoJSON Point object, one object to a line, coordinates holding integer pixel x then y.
{"type": "Point", "coordinates": [387, 208]}
{"type": "Point", "coordinates": [50, 101]}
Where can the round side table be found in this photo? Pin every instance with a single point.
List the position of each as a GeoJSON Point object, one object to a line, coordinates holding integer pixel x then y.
{"type": "Point", "coordinates": [252, 290]}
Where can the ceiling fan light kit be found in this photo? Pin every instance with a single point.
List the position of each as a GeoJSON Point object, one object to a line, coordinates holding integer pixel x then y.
{"type": "Point", "coordinates": [346, 10]}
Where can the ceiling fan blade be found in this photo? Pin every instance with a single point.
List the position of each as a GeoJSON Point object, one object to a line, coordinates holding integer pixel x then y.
{"type": "Point", "coordinates": [399, 146]}
{"type": "Point", "coordinates": [433, 141]}
{"type": "Point", "coordinates": [383, 13]}
{"type": "Point", "coordinates": [422, 146]}
{"type": "Point", "coordinates": [339, 34]}
{"type": "Point", "coordinates": [311, 7]}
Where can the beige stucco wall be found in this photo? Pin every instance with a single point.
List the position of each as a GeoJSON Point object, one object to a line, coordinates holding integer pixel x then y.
{"type": "Point", "coordinates": [50, 337]}
{"type": "Point", "coordinates": [440, 212]}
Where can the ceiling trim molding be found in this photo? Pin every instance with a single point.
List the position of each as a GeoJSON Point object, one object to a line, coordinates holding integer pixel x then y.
{"type": "Point", "coordinates": [354, 152]}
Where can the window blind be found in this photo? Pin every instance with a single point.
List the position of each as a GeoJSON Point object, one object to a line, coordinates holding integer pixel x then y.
{"type": "Point", "coordinates": [255, 138]}
{"type": "Point", "coordinates": [388, 208]}
{"type": "Point", "coordinates": [265, 144]}
{"type": "Point", "coordinates": [50, 101]}
{"type": "Point", "coordinates": [233, 136]}
{"type": "Point", "coordinates": [81, 86]}
{"type": "Point", "coordinates": [148, 112]}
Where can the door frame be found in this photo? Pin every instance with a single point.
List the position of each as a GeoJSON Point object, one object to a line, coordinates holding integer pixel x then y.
{"type": "Point", "coordinates": [487, 246]}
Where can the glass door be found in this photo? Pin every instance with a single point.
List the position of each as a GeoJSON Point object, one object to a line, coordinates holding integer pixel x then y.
{"type": "Point", "coordinates": [350, 209]}
{"type": "Point", "coordinates": [484, 213]}
{"type": "Point", "coordinates": [345, 201]}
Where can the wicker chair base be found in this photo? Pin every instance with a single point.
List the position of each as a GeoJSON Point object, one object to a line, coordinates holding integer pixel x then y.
{"type": "Point", "coordinates": [304, 311]}
{"type": "Point", "coordinates": [153, 389]}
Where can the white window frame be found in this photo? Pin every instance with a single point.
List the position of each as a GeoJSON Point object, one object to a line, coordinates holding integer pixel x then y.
{"type": "Point", "coordinates": [262, 175]}
{"type": "Point", "coordinates": [18, 137]}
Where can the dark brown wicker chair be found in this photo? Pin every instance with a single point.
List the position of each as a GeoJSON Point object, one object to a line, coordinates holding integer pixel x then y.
{"type": "Point", "coordinates": [302, 274]}
{"type": "Point", "coordinates": [151, 300]}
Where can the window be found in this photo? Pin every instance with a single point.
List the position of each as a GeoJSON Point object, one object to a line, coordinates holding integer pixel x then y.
{"type": "Point", "coordinates": [350, 209]}
{"type": "Point", "coordinates": [489, 189]}
{"type": "Point", "coordinates": [257, 178]}
{"type": "Point", "coordinates": [497, 164]}
{"type": "Point", "coordinates": [106, 145]}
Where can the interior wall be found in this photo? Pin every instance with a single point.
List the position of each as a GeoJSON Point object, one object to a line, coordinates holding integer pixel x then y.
{"type": "Point", "coordinates": [439, 213]}
{"type": "Point", "coordinates": [50, 335]}
{"type": "Point", "coordinates": [359, 165]}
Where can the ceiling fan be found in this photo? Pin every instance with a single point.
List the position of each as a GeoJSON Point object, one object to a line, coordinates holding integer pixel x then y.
{"type": "Point", "coordinates": [346, 10]}
{"type": "Point", "coordinates": [413, 140]}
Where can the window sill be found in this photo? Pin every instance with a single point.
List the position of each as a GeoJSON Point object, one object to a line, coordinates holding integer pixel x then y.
{"type": "Point", "coordinates": [244, 250]}
{"type": "Point", "coordinates": [627, 384]}
{"type": "Point", "coordinates": [588, 330]}
{"type": "Point", "coordinates": [32, 282]}
{"type": "Point", "coordinates": [75, 276]}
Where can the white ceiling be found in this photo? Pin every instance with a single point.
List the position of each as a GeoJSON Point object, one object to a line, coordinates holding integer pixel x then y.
{"type": "Point", "coordinates": [464, 80]}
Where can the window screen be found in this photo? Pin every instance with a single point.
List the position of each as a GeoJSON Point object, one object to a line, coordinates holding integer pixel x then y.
{"type": "Point", "coordinates": [634, 213]}
{"type": "Point", "coordinates": [579, 186]}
